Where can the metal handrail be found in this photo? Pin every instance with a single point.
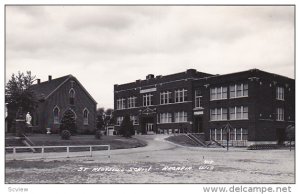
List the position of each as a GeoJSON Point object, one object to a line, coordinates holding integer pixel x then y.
{"type": "Point", "coordinates": [68, 148]}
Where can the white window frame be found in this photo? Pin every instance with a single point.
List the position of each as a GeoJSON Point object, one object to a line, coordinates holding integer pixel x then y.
{"type": "Point", "coordinates": [198, 100]}
{"type": "Point", "coordinates": [180, 95]}
{"type": "Point", "coordinates": [279, 114]}
{"type": "Point", "coordinates": [131, 102]}
{"type": "Point", "coordinates": [120, 103]}
{"type": "Point", "coordinates": [244, 88]}
{"type": "Point", "coordinates": [165, 97]}
{"type": "Point", "coordinates": [243, 113]}
{"type": "Point", "coordinates": [279, 93]}
{"type": "Point", "coordinates": [180, 117]}
{"type": "Point", "coordinates": [217, 114]}
{"type": "Point", "coordinates": [165, 117]}
{"type": "Point", "coordinates": [147, 99]}
{"type": "Point", "coordinates": [85, 119]}
{"type": "Point", "coordinates": [218, 93]}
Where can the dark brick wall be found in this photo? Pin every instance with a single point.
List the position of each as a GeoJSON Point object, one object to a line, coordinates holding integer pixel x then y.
{"type": "Point", "coordinates": [60, 98]}
{"type": "Point", "coordinates": [261, 101]}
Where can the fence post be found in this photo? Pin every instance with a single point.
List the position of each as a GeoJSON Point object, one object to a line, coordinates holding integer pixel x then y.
{"type": "Point", "coordinates": [91, 151]}
{"type": "Point", "coordinates": [68, 151]}
{"type": "Point", "coordinates": [42, 152]}
{"type": "Point", "coordinates": [14, 153]}
{"type": "Point", "coordinates": [108, 151]}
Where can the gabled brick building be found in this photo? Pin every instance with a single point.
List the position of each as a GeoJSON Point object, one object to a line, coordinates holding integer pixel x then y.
{"type": "Point", "coordinates": [258, 105]}
{"type": "Point", "coordinates": [55, 96]}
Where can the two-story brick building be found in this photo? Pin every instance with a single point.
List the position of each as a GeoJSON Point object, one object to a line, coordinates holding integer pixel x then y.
{"type": "Point", "coordinates": [257, 105]}
{"type": "Point", "coordinates": [56, 96]}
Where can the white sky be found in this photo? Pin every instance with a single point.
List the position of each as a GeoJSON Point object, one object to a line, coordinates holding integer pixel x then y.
{"type": "Point", "coordinates": [107, 45]}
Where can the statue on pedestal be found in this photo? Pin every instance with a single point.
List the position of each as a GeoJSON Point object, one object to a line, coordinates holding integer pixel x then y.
{"type": "Point", "coordinates": [28, 119]}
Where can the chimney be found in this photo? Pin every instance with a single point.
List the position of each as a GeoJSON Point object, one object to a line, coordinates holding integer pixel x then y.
{"type": "Point", "coordinates": [38, 81]}
{"type": "Point", "coordinates": [49, 78]}
{"type": "Point", "coordinates": [150, 76]}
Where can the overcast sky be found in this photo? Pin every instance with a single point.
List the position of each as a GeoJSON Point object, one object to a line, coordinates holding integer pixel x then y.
{"type": "Point", "coordinates": [107, 45]}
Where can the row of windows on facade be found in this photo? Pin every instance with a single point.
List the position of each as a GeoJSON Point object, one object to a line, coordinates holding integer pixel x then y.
{"type": "Point", "coordinates": [234, 134]}
{"type": "Point", "coordinates": [238, 113]}
{"type": "Point", "coordinates": [216, 114]}
{"type": "Point", "coordinates": [216, 93]}
{"type": "Point", "coordinates": [165, 98]}
{"type": "Point", "coordinates": [163, 118]}
{"type": "Point", "coordinates": [56, 116]}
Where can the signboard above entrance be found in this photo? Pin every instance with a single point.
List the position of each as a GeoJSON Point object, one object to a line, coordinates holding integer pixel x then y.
{"type": "Point", "coordinates": [148, 90]}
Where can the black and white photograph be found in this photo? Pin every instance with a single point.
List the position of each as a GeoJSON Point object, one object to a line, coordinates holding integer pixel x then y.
{"type": "Point", "coordinates": [150, 94]}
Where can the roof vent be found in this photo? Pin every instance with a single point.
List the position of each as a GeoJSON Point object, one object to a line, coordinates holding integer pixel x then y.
{"type": "Point", "coordinates": [49, 78]}
{"type": "Point", "coordinates": [38, 81]}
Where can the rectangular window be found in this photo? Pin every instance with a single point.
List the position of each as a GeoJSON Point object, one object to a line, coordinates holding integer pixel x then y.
{"type": "Point", "coordinates": [238, 113]}
{"type": "Point", "coordinates": [119, 120]}
{"type": "Point", "coordinates": [121, 104]}
{"type": "Point", "coordinates": [279, 93]}
{"type": "Point", "coordinates": [279, 114]}
{"type": "Point", "coordinates": [244, 134]}
{"type": "Point", "coordinates": [232, 113]}
{"type": "Point", "coordinates": [238, 134]}
{"type": "Point", "coordinates": [131, 102]}
{"type": "Point", "coordinates": [165, 118]}
{"type": "Point", "coordinates": [134, 120]}
{"type": "Point", "coordinates": [180, 117]}
{"type": "Point", "coordinates": [181, 95]}
{"type": "Point", "coordinates": [147, 99]}
{"type": "Point", "coordinates": [198, 97]}
{"type": "Point", "coordinates": [165, 97]}
{"type": "Point", "coordinates": [218, 93]}
{"type": "Point", "coordinates": [218, 114]}
{"type": "Point", "coordinates": [238, 90]}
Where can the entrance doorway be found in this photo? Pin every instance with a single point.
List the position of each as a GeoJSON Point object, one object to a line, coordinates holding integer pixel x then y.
{"type": "Point", "coordinates": [149, 128]}
{"type": "Point", "coordinates": [198, 124]}
{"type": "Point", "coordinates": [280, 135]}
{"type": "Point", "coordinates": [147, 125]}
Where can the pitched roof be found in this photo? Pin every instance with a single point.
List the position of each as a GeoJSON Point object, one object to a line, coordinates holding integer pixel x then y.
{"type": "Point", "coordinates": [45, 89]}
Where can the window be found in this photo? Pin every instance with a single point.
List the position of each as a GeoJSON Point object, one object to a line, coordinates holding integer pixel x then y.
{"type": "Point", "coordinates": [131, 102]}
{"type": "Point", "coordinates": [244, 134]}
{"type": "Point", "coordinates": [147, 99]}
{"type": "Point", "coordinates": [56, 115]}
{"type": "Point", "coordinates": [165, 118]}
{"type": "Point", "coordinates": [279, 114]}
{"type": "Point", "coordinates": [218, 93]}
{"type": "Point", "coordinates": [218, 114]}
{"type": "Point", "coordinates": [180, 117]}
{"type": "Point", "coordinates": [134, 120]}
{"type": "Point", "coordinates": [238, 112]}
{"type": "Point", "coordinates": [85, 117]}
{"type": "Point", "coordinates": [165, 97]}
{"type": "Point", "coordinates": [238, 90]}
{"type": "Point", "coordinates": [279, 93]}
{"type": "Point", "coordinates": [181, 95]}
{"type": "Point", "coordinates": [120, 104]}
{"type": "Point", "coordinates": [198, 97]}
{"type": "Point", "coordinates": [72, 96]}
{"type": "Point", "coordinates": [235, 134]}
{"type": "Point", "coordinates": [119, 120]}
